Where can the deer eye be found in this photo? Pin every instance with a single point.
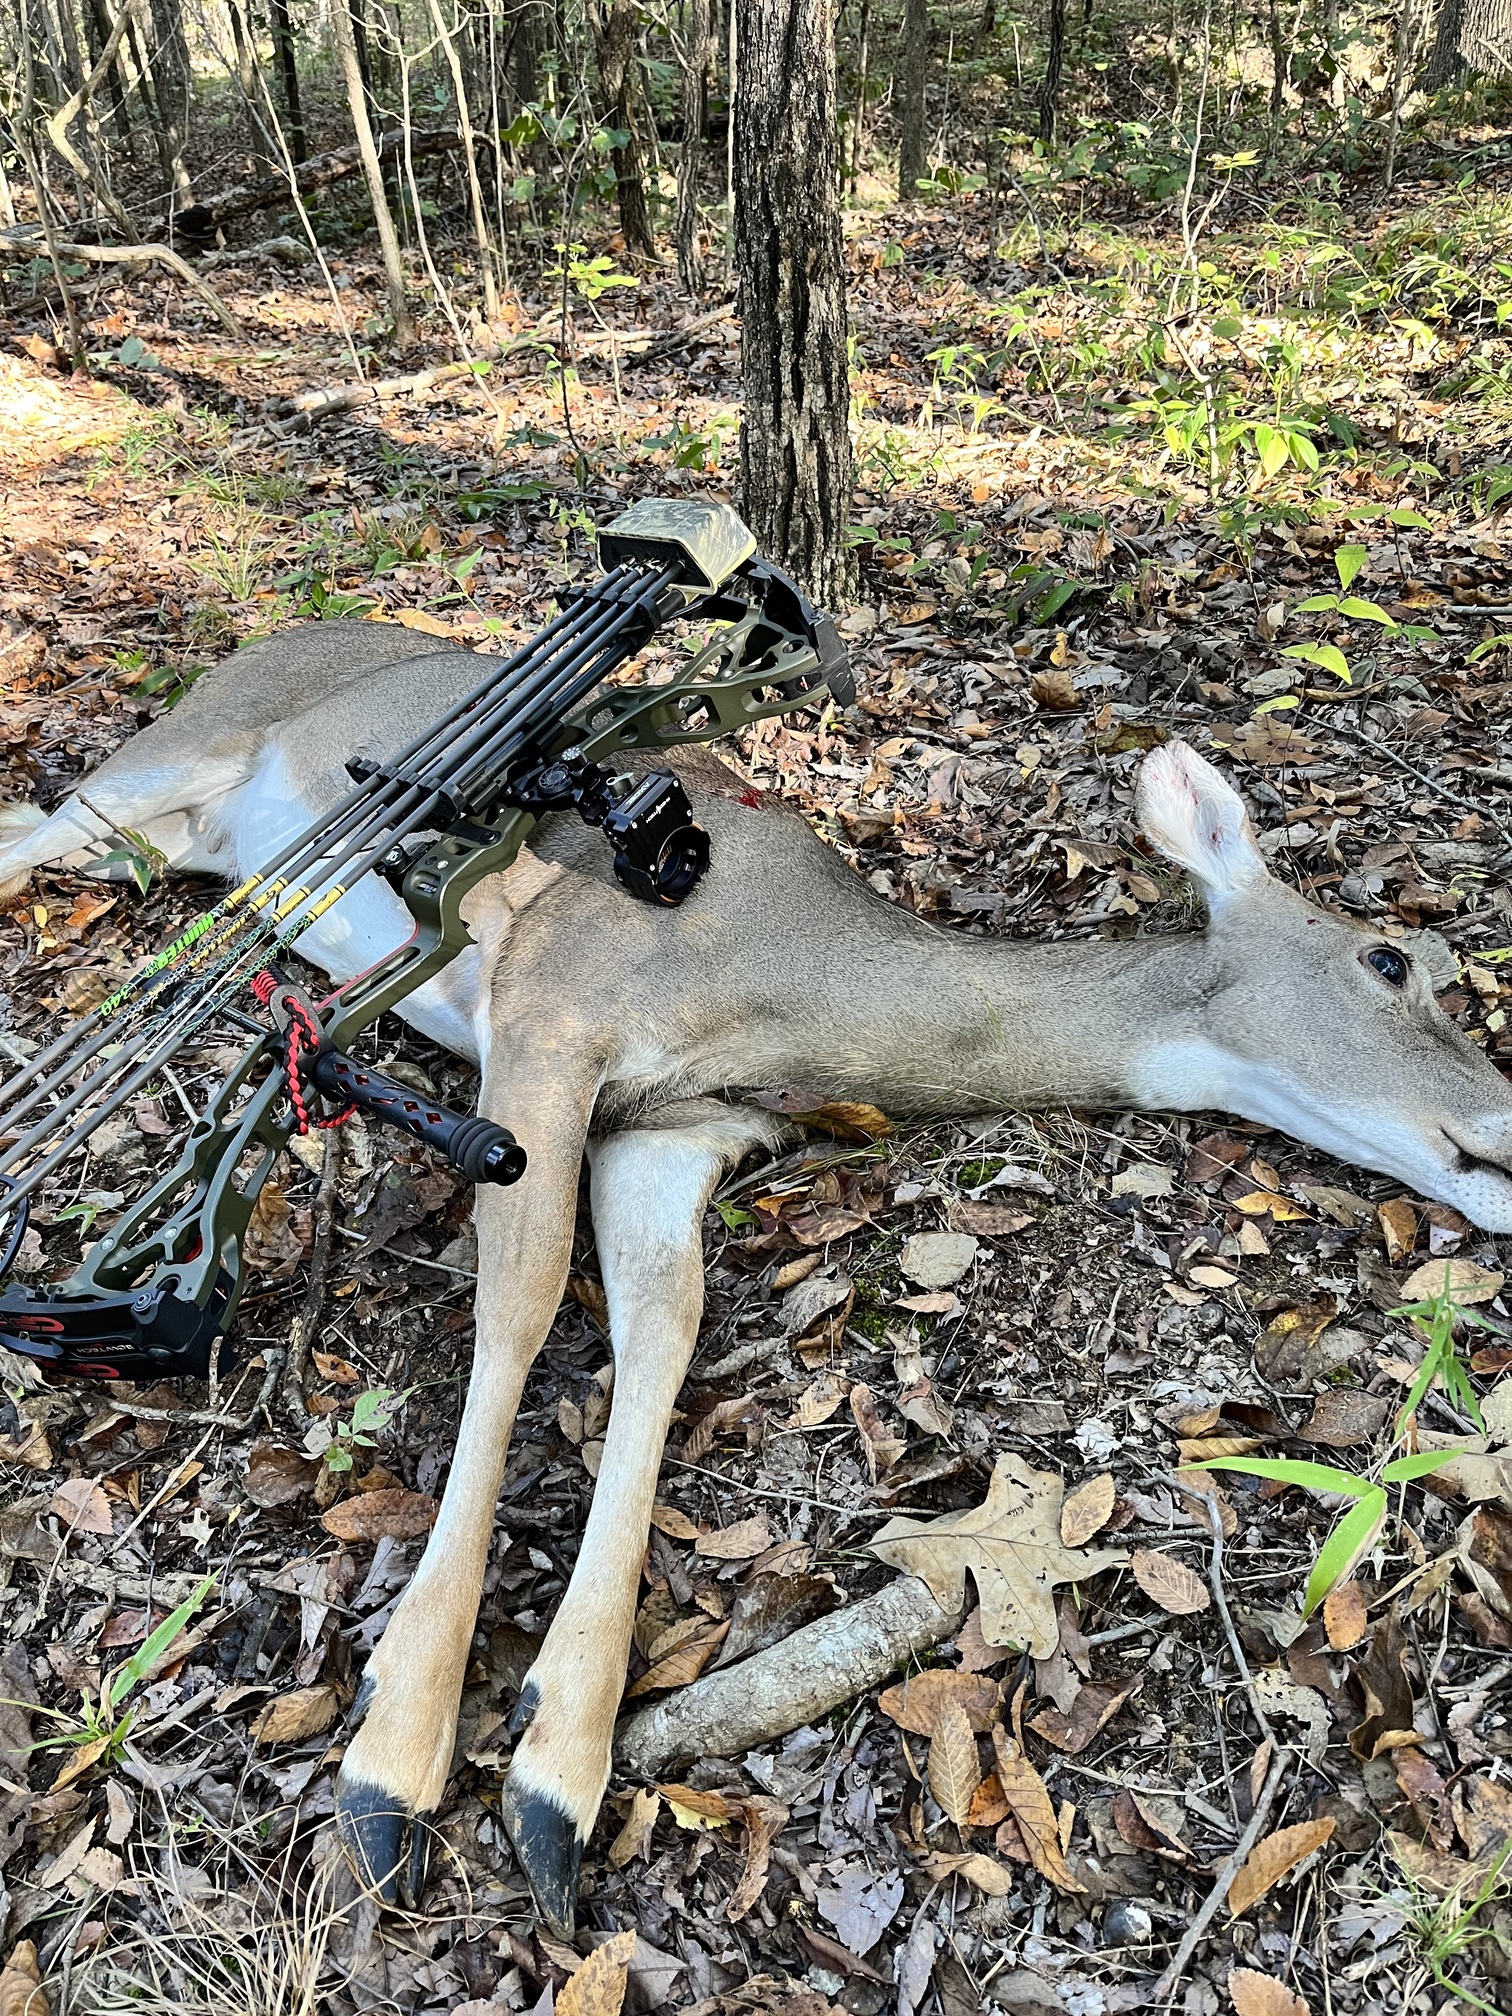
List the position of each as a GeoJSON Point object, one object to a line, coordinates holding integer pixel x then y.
{"type": "Point", "coordinates": [1393, 966]}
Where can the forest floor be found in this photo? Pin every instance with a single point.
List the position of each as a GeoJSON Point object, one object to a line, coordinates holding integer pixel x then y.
{"type": "Point", "coordinates": [1046, 591]}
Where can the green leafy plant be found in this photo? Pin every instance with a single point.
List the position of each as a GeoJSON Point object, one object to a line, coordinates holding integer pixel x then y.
{"type": "Point", "coordinates": [1348, 560]}
{"type": "Point", "coordinates": [102, 1728]}
{"type": "Point", "coordinates": [590, 279]}
{"type": "Point", "coordinates": [1446, 1927]}
{"type": "Point", "coordinates": [141, 860]}
{"type": "Point", "coordinates": [1434, 1320]}
{"type": "Point", "coordinates": [1356, 1532]}
{"type": "Point", "coordinates": [372, 1415]}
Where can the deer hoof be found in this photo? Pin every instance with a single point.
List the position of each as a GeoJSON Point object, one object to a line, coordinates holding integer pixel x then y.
{"type": "Point", "coordinates": [548, 1847]}
{"type": "Point", "coordinates": [386, 1843]}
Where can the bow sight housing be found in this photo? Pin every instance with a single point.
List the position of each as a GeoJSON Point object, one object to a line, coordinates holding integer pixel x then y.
{"type": "Point", "coordinates": [541, 732]}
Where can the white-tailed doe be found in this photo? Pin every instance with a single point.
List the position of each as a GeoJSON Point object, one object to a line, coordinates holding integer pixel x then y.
{"type": "Point", "coordinates": [628, 1033]}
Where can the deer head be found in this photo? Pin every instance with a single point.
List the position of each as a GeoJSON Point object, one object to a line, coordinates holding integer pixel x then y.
{"type": "Point", "coordinates": [1315, 1024]}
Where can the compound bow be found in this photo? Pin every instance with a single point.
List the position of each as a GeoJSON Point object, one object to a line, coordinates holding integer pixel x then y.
{"type": "Point", "coordinates": [539, 733]}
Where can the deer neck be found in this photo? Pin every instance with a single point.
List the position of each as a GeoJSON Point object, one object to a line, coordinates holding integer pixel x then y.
{"type": "Point", "coordinates": [969, 1025]}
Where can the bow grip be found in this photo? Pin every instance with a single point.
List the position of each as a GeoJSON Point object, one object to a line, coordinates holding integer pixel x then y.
{"type": "Point", "coordinates": [477, 1148]}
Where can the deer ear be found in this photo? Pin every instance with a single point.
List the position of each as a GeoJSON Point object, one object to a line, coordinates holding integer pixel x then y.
{"type": "Point", "coordinates": [1198, 821]}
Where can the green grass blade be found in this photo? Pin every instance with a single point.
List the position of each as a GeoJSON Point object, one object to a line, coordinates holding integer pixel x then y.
{"type": "Point", "coordinates": [154, 1646]}
{"type": "Point", "coordinates": [1353, 1537]}
{"type": "Point", "coordinates": [1310, 1476]}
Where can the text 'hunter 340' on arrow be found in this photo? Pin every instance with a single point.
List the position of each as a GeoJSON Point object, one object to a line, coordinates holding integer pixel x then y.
{"type": "Point", "coordinates": [540, 733]}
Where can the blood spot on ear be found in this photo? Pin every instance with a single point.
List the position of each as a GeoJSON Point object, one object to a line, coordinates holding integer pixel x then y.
{"type": "Point", "coordinates": [751, 798]}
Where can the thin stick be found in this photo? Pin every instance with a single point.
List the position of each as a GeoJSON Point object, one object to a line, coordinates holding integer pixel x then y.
{"type": "Point", "coordinates": [1454, 798]}
{"type": "Point", "coordinates": [1170, 1981]}
{"type": "Point", "coordinates": [1215, 1582]}
{"type": "Point", "coordinates": [135, 255]}
{"type": "Point", "coordinates": [302, 1336]}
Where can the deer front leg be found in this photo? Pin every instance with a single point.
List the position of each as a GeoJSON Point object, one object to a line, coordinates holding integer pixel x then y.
{"type": "Point", "coordinates": [395, 1768]}
{"type": "Point", "coordinates": [650, 1189]}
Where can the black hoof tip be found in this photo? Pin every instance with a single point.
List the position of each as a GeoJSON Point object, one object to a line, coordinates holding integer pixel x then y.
{"type": "Point", "coordinates": [549, 1849]}
{"type": "Point", "coordinates": [387, 1844]}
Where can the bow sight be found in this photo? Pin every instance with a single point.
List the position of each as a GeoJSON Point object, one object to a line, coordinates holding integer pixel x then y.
{"type": "Point", "coordinates": [539, 733]}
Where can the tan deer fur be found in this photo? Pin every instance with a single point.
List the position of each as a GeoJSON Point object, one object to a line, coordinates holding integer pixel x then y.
{"type": "Point", "coordinates": [613, 1029]}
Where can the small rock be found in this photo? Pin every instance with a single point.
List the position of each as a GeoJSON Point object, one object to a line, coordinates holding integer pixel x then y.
{"type": "Point", "coordinates": [937, 1259]}
{"type": "Point", "coordinates": [1126, 1923]}
{"type": "Point", "coordinates": [1143, 1179]}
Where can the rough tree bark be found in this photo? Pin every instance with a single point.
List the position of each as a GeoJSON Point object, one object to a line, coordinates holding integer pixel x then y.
{"type": "Point", "coordinates": [372, 168]}
{"type": "Point", "coordinates": [1050, 89]}
{"type": "Point", "coordinates": [171, 76]}
{"type": "Point", "coordinates": [614, 33]}
{"type": "Point", "coordinates": [1470, 38]}
{"type": "Point", "coordinates": [288, 79]}
{"type": "Point", "coordinates": [695, 118]}
{"type": "Point", "coordinates": [909, 89]}
{"type": "Point", "coordinates": [795, 454]}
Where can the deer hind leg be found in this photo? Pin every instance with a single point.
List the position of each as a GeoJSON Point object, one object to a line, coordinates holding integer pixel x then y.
{"type": "Point", "coordinates": [171, 804]}
{"type": "Point", "coordinates": [650, 1189]}
{"type": "Point", "coordinates": [396, 1766]}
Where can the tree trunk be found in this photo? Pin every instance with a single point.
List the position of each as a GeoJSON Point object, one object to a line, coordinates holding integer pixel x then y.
{"type": "Point", "coordinates": [1471, 38]}
{"type": "Point", "coordinates": [1051, 86]}
{"type": "Point", "coordinates": [474, 187]}
{"type": "Point", "coordinates": [172, 78]}
{"type": "Point", "coordinates": [97, 30]}
{"type": "Point", "coordinates": [858, 123]}
{"type": "Point", "coordinates": [795, 454]}
{"type": "Point", "coordinates": [288, 78]}
{"type": "Point", "coordinates": [372, 168]}
{"type": "Point", "coordinates": [909, 81]}
{"type": "Point", "coordinates": [527, 54]}
{"type": "Point", "coordinates": [616, 53]}
{"type": "Point", "coordinates": [695, 118]}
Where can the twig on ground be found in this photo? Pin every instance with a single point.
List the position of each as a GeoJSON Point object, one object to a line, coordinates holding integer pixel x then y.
{"type": "Point", "coordinates": [202, 1417]}
{"type": "Point", "coordinates": [1220, 1599]}
{"type": "Point", "coordinates": [1170, 1980]}
{"type": "Point", "coordinates": [308, 408]}
{"type": "Point", "coordinates": [302, 1335]}
{"type": "Point", "coordinates": [1433, 784]}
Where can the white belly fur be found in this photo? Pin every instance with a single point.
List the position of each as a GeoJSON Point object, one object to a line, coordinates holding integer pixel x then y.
{"type": "Point", "coordinates": [368, 922]}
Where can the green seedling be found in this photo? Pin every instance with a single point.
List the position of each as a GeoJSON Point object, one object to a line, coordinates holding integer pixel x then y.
{"type": "Point", "coordinates": [372, 1415]}
{"type": "Point", "coordinates": [141, 860]}
{"type": "Point", "coordinates": [1434, 1322]}
{"type": "Point", "coordinates": [1357, 1531]}
{"type": "Point", "coordinates": [1446, 1927]}
{"type": "Point", "coordinates": [100, 1733]}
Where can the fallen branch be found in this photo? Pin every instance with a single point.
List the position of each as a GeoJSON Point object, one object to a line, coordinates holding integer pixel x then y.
{"type": "Point", "coordinates": [136, 255]}
{"type": "Point", "coordinates": [309, 407]}
{"type": "Point", "coordinates": [203, 220]}
{"type": "Point", "coordinates": [664, 346]}
{"type": "Point", "coordinates": [814, 1670]}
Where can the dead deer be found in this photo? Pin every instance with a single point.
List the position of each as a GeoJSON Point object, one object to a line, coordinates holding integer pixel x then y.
{"type": "Point", "coordinates": [627, 1033]}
